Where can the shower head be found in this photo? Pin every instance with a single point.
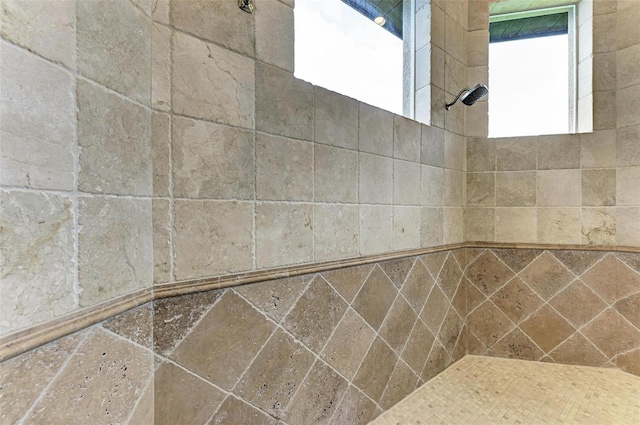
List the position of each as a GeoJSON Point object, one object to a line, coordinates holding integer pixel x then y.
{"type": "Point", "coordinates": [469, 96]}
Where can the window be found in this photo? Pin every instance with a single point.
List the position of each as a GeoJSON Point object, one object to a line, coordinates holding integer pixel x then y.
{"type": "Point", "coordinates": [532, 73]}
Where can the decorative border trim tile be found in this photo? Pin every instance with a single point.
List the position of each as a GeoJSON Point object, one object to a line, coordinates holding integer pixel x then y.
{"type": "Point", "coordinates": [30, 338]}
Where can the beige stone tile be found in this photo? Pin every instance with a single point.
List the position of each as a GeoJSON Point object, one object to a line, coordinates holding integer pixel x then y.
{"type": "Point", "coordinates": [479, 224]}
{"type": "Point", "coordinates": [376, 369]}
{"type": "Point", "coordinates": [434, 310]}
{"type": "Point", "coordinates": [291, 227]}
{"type": "Point", "coordinates": [604, 39]}
{"type": "Point", "coordinates": [516, 300]}
{"type": "Point", "coordinates": [160, 153]}
{"type": "Point", "coordinates": [478, 47]}
{"type": "Point", "coordinates": [401, 383]}
{"type": "Point", "coordinates": [318, 396]}
{"type": "Point", "coordinates": [236, 411]}
{"type": "Point", "coordinates": [406, 139]}
{"type": "Point", "coordinates": [481, 154]}
{"type": "Point", "coordinates": [355, 408]}
{"type": "Point", "coordinates": [604, 110]}
{"type": "Point", "coordinates": [114, 136]}
{"type": "Point", "coordinates": [431, 226]}
{"type": "Point", "coordinates": [161, 240]}
{"type": "Point", "coordinates": [627, 31]}
{"type": "Point", "coordinates": [336, 231]}
{"type": "Point", "coordinates": [218, 21]}
{"type": "Point", "coordinates": [376, 179]}
{"type": "Point", "coordinates": [630, 308]}
{"type": "Point", "coordinates": [160, 68]}
{"type": "Point", "coordinates": [212, 83]}
{"type": "Point", "coordinates": [375, 298]}
{"type": "Point", "coordinates": [578, 261]}
{"type": "Point", "coordinates": [160, 11]}
{"type": "Point", "coordinates": [453, 225]}
{"type": "Point", "coordinates": [45, 28]}
{"type": "Point", "coordinates": [275, 297]}
{"type": "Point", "coordinates": [25, 376]}
{"type": "Point", "coordinates": [547, 328]}
{"type": "Point", "coordinates": [516, 225]}
{"type": "Point", "coordinates": [275, 375]}
{"type": "Point", "coordinates": [417, 286]}
{"type": "Point", "coordinates": [335, 174]}
{"type": "Point", "coordinates": [211, 348]}
{"type": "Point", "coordinates": [406, 178]}
{"type": "Point", "coordinates": [627, 103]}
{"type": "Point", "coordinates": [431, 186]}
{"type": "Point", "coordinates": [108, 394]}
{"type": "Point", "coordinates": [397, 270]}
{"type": "Point", "coordinates": [335, 119]}
{"type": "Point", "coordinates": [274, 33]}
{"type": "Point", "coordinates": [454, 188]}
{"type": "Point", "coordinates": [454, 151]}
{"type": "Point", "coordinates": [516, 154]}
{"type": "Point", "coordinates": [229, 223]}
{"type": "Point", "coordinates": [599, 279]}
{"type": "Point", "coordinates": [115, 246]}
{"type": "Point", "coordinates": [627, 191]}
{"type": "Point", "coordinates": [423, 56]}
{"type": "Point", "coordinates": [626, 72]}
{"type": "Point", "coordinates": [435, 98]}
{"type": "Point", "coordinates": [488, 273]}
{"type": "Point", "coordinates": [406, 228]}
{"type": "Point", "coordinates": [376, 229]}
{"type": "Point", "coordinates": [174, 317]}
{"type": "Point", "coordinates": [144, 411]}
{"type": "Point", "coordinates": [180, 397]}
{"type": "Point", "coordinates": [599, 187]}
{"type": "Point", "coordinates": [284, 104]}
{"type": "Point", "coordinates": [629, 362]}
{"type": "Point", "coordinates": [114, 47]}
{"type": "Point", "coordinates": [432, 146]}
{"type": "Point", "coordinates": [516, 345]}
{"type": "Point", "coordinates": [560, 188]}
{"type": "Point", "coordinates": [598, 149]}
{"type": "Point", "coordinates": [398, 324]}
{"type": "Point", "coordinates": [546, 275]}
{"type": "Point", "coordinates": [284, 169]}
{"type": "Point", "coordinates": [628, 226]}
{"type": "Point", "coordinates": [449, 277]}
{"type": "Point", "coordinates": [559, 225]}
{"type": "Point", "coordinates": [516, 189]}
{"type": "Point", "coordinates": [348, 281]}
{"type": "Point", "coordinates": [598, 226]}
{"type": "Point", "coordinates": [558, 152]}
{"type": "Point", "coordinates": [604, 71]}
{"type": "Point", "coordinates": [455, 77]}
{"type": "Point", "coordinates": [37, 278]}
{"type": "Point", "coordinates": [481, 189]}
{"type": "Point", "coordinates": [375, 130]}
{"type": "Point", "coordinates": [489, 324]}
{"type": "Point", "coordinates": [437, 362]}
{"type": "Point", "coordinates": [418, 346]}
{"type": "Point", "coordinates": [578, 350]}
{"type": "Point", "coordinates": [37, 117]}
{"type": "Point", "coordinates": [627, 146]}
{"type": "Point", "coordinates": [135, 325]}
{"type": "Point", "coordinates": [578, 304]}
{"type": "Point", "coordinates": [611, 333]}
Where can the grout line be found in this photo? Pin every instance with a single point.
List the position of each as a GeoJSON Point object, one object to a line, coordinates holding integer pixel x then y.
{"type": "Point", "coordinates": [149, 384]}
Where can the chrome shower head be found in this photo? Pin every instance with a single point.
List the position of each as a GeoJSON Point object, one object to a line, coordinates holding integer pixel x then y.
{"type": "Point", "coordinates": [469, 96]}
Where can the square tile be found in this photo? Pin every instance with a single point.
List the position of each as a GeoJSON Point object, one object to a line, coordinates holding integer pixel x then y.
{"type": "Point", "coordinates": [375, 298]}
{"type": "Point", "coordinates": [336, 231]}
{"type": "Point", "coordinates": [335, 119]}
{"type": "Point", "coordinates": [290, 226]}
{"type": "Point", "coordinates": [335, 174]}
{"type": "Point", "coordinates": [376, 179]}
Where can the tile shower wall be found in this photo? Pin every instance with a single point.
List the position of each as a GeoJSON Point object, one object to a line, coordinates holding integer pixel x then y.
{"type": "Point", "coordinates": [571, 307]}
{"type": "Point", "coordinates": [336, 347]}
{"type": "Point", "coordinates": [578, 188]}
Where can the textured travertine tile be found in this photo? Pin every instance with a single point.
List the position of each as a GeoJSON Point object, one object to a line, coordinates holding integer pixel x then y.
{"type": "Point", "coordinates": [481, 189]}
{"type": "Point", "coordinates": [437, 361]}
{"type": "Point", "coordinates": [46, 28]}
{"type": "Point", "coordinates": [316, 314]}
{"type": "Point", "coordinates": [36, 258]}
{"type": "Point", "coordinates": [434, 310]}
{"type": "Point", "coordinates": [578, 261]}
{"type": "Point", "coordinates": [599, 279]}
{"type": "Point", "coordinates": [376, 229]}
{"type": "Point", "coordinates": [552, 194]}
{"type": "Point", "coordinates": [627, 191]}
{"type": "Point", "coordinates": [113, 373]}
{"type": "Point", "coordinates": [160, 152]}
{"type": "Point", "coordinates": [547, 328]}
{"type": "Point", "coordinates": [406, 178]}
{"type": "Point", "coordinates": [449, 277]}
{"type": "Point", "coordinates": [174, 317]}
{"type": "Point", "coordinates": [160, 11]}
{"type": "Point", "coordinates": [115, 246]}
{"type": "Point", "coordinates": [161, 240]}
{"type": "Point", "coordinates": [630, 308]}
{"type": "Point", "coordinates": [354, 409]}
{"type": "Point", "coordinates": [418, 346]}
{"type": "Point", "coordinates": [335, 119]}
{"type": "Point", "coordinates": [599, 187]}
{"type": "Point", "coordinates": [481, 154]}
{"type": "Point", "coordinates": [401, 383]}
{"type": "Point", "coordinates": [275, 297]}
{"type": "Point", "coordinates": [23, 378]}
{"type": "Point", "coordinates": [114, 46]}
{"type": "Point", "coordinates": [406, 228]}
{"type": "Point", "coordinates": [516, 154]}
{"type": "Point", "coordinates": [546, 275]}
{"type": "Point", "coordinates": [627, 146]}
{"type": "Point", "coordinates": [454, 151]}
{"type": "Point", "coordinates": [211, 160]}
{"type": "Point", "coordinates": [479, 224]}
{"type": "Point", "coordinates": [348, 344]}
{"type": "Point", "coordinates": [397, 270]}
{"type": "Point", "coordinates": [274, 33]}
{"type": "Point", "coordinates": [235, 411]}
{"type": "Point", "coordinates": [598, 226]}
{"type": "Point", "coordinates": [431, 226]}
{"type": "Point", "coordinates": [349, 280]}
{"type": "Point", "coordinates": [143, 413]}
{"type": "Point", "coordinates": [230, 224]}
{"type": "Point", "coordinates": [516, 189]}
{"type": "Point", "coordinates": [516, 300]}
{"type": "Point", "coordinates": [629, 362]}
{"type": "Point", "coordinates": [336, 231]}
{"type": "Point", "coordinates": [598, 149]}
{"type": "Point", "coordinates": [376, 179]}
{"type": "Point", "coordinates": [135, 325]}
{"type": "Point", "coordinates": [450, 330]}
{"type": "Point", "coordinates": [284, 169]}
{"type": "Point", "coordinates": [37, 117]}
{"type": "Point", "coordinates": [604, 110]}
{"type": "Point", "coordinates": [275, 374]}
{"type": "Point", "coordinates": [318, 396]}
{"type": "Point", "coordinates": [432, 146]}
{"type": "Point", "coordinates": [516, 345]}
{"type": "Point", "coordinates": [556, 152]}
{"type": "Point", "coordinates": [604, 71]}
{"type": "Point", "coordinates": [160, 68]}
{"type": "Point", "coordinates": [406, 139]}
{"type": "Point", "coordinates": [431, 186]}
{"type": "Point", "coordinates": [284, 104]}
{"type": "Point", "coordinates": [398, 324]}
{"type": "Point", "coordinates": [335, 174]}
{"type": "Point", "coordinates": [375, 298]}
{"type": "Point", "coordinates": [488, 323]}
{"type": "Point", "coordinates": [516, 225]}
{"type": "Point", "coordinates": [453, 188]}
{"type": "Point", "coordinates": [488, 273]}
{"type": "Point", "coordinates": [628, 226]}
{"type": "Point", "coordinates": [212, 83]}
{"type": "Point", "coordinates": [611, 333]}
{"type": "Point", "coordinates": [559, 225]}
{"type": "Point", "coordinates": [417, 286]}
{"type": "Point", "coordinates": [181, 397]}
{"type": "Point", "coordinates": [376, 369]}
{"type": "Point", "coordinates": [291, 225]}
{"type": "Point", "coordinates": [453, 225]}
{"type": "Point", "coordinates": [577, 303]}
{"type": "Point", "coordinates": [579, 351]}
{"type": "Point", "coordinates": [375, 134]}
{"type": "Point", "coordinates": [218, 21]}
{"type": "Point", "coordinates": [224, 342]}
{"type": "Point", "coordinates": [114, 136]}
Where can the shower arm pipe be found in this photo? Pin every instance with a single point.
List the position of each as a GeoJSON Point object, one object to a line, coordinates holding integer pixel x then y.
{"type": "Point", "coordinates": [448, 105]}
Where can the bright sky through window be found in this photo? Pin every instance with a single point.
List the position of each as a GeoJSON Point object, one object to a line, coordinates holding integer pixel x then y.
{"type": "Point", "coordinates": [529, 87]}
{"type": "Point", "coordinates": [338, 48]}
